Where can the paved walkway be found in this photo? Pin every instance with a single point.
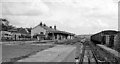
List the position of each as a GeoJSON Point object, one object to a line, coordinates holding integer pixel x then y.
{"type": "Point", "coordinates": [0, 42]}
{"type": "Point", "coordinates": [110, 50]}
{"type": "Point", "coordinates": [55, 54]}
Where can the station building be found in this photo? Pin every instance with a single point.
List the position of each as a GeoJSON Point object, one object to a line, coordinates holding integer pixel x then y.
{"type": "Point", "coordinates": [43, 32]}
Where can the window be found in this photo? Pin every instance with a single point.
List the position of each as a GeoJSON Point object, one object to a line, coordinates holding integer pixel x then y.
{"type": "Point", "coordinates": [41, 33]}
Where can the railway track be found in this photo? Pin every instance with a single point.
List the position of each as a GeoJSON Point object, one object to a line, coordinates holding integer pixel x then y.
{"type": "Point", "coordinates": [92, 54]}
{"type": "Point", "coordinates": [104, 56]}
{"type": "Point", "coordinates": [82, 55]}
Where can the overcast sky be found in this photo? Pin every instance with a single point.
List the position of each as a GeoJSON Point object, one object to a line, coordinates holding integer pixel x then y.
{"type": "Point", "coordinates": [76, 16]}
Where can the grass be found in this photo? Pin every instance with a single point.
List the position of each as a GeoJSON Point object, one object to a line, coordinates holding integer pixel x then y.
{"type": "Point", "coordinates": [12, 53]}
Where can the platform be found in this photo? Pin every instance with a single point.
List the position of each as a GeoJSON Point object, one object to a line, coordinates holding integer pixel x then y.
{"type": "Point", "coordinates": [116, 53]}
{"type": "Point", "coordinates": [59, 53]}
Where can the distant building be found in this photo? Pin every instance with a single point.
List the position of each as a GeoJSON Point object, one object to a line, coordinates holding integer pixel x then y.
{"type": "Point", "coordinates": [42, 31]}
{"type": "Point", "coordinates": [9, 32]}
{"type": "Point", "coordinates": [3, 24]}
{"type": "Point", "coordinates": [20, 33]}
{"type": "Point", "coordinates": [5, 35]}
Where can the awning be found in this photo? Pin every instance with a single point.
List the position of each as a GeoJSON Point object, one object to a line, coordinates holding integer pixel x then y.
{"type": "Point", "coordinates": [61, 32]}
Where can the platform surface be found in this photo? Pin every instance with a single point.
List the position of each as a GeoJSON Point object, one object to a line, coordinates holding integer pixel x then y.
{"type": "Point", "coordinates": [116, 53]}
{"type": "Point", "coordinates": [55, 54]}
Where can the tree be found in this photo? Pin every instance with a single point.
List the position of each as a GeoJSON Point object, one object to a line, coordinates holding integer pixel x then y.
{"type": "Point", "coordinates": [5, 25]}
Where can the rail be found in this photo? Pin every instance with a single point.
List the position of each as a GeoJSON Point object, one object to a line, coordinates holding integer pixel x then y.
{"type": "Point", "coordinates": [82, 55]}
{"type": "Point", "coordinates": [103, 56]}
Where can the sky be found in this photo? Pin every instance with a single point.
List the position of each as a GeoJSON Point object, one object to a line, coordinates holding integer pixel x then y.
{"type": "Point", "coordinates": [75, 16]}
{"type": "Point", "coordinates": [119, 16]}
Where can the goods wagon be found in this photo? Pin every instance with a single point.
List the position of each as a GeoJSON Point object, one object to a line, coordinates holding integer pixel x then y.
{"type": "Point", "coordinates": [104, 37]}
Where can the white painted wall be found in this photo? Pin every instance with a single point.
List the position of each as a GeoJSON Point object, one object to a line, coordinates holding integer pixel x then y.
{"type": "Point", "coordinates": [37, 30]}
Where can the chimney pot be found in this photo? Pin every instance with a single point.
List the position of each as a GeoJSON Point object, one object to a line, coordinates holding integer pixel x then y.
{"type": "Point", "coordinates": [41, 24]}
{"type": "Point", "coordinates": [44, 24]}
{"type": "Point", "coordinates": [50, 26]}
{"type": "Point", "coordinates": [55, 27]}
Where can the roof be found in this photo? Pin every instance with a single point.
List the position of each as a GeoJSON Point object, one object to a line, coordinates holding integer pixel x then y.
{"type": "Point", "coordinates": [109, 32]}
{"type": "Point", "coordinates": [23, 31]}
{"type": "Point", "coordinates": [48, 28]}
{"type": "Point", "coordinates": [63, 32]}
{"type": "Point", "coordinates": [29, 29]}
{"type": "Point", "coordinates": [19, 30]}
{"type": "Point", "coordinates": [51, 30]}
{"type": "Point", "coordinates": [13, 30]}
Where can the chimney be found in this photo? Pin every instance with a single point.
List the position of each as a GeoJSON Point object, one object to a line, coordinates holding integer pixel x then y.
{"type": "Point", "coordinates": [41, 24]}
{"type": "Point", "coordinates": [50, 26]}
{"type": "Point", "coordinates": [55, 27]}
{"type": "Point", "coordinates": [44, 25]}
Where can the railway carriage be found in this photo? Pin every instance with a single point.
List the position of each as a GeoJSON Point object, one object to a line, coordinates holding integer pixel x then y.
{"type": "Point", "coordinates": [117, 42]}
{"type": "Point", "coordinates": [104, 37]}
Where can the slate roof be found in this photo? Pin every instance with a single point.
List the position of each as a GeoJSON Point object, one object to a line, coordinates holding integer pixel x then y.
{"type": "Point", "coordinates": [48, 28]}
{"type": "Point", "coordinates": [52, 30]}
